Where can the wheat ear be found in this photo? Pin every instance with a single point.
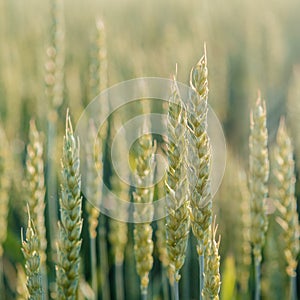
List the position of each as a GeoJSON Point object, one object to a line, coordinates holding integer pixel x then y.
{"type": "Point", "coordinates": [36, 193]}
{"type": "Point", "coordinates": [286, 203]}
{"type": "Point", "coordinates": [258, 178]}
{"type": "Point", "coordinates": [199, 160]}
{"type": "Point", "coordinates": [70, 225]}
{"type": "Point", "coordinates": [212, 278]}
{"type": "Point", "coordinates": [30, 249]}
{"type": "Point", "coordinates": [244, 257]}
{"type": "Point", "coordinates": [143, 178]}
{"type": "Point", "coordinates": [178, 219]}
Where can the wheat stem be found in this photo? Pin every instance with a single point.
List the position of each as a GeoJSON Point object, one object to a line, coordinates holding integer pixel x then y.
{"type": "Point", "coordinates": [257, 281]}
{"type": "Point", "coordinates": [104, 271]}
{"type": "Point", "coordinates": [4, 198]}
{"type": "Point", "coordinates": [176, 289]}
{"type": "Point", "coordinates": [119, 186]}
{"type": "Point", "coordinates": [93, 189]}
{"type": "Point", "coordinates": [201, 273]}
{"type": "Point", "coordinates": [293, 287]}
{"type": "Point", "coordinates": [54, 81]}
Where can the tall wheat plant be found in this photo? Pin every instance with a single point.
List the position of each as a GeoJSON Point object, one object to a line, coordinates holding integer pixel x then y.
{"type": "Point", "coordinates": [258, 179]}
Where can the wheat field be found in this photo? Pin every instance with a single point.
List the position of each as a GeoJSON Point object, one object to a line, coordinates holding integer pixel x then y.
{"type": "Point", "coordinates": [236, 241]}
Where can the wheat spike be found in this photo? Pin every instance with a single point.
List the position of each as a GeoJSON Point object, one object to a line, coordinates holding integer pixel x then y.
{"type": "Point", "coordinates": [94, 171]}
{"type": "Point", "coordinates": [143, 178]}
{"type": "Point", "coordinates": [70, 225]}
{"type": "Point", "coordinates": [244, 257]}
{"type": "Point", "coordinates": [212, 278]}
{"type": "Point", "coordinates": [36, 187]}
{"type": "Point", "coordinates": [199, 156]}
{"type": "Point", "coordinates": [258, 177]}
{"type": "Point", "coordinates": [54, 78]}
{"type": "Point", "coordinates": [284, 171]}
{"type": "Point", "coordinates": [30, 249]}
{"type": "Point", "coordinates": [178, 219]}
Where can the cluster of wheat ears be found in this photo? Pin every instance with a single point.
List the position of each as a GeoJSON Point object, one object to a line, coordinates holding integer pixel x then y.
{"type": "Point", "coordinates": [186, 186]}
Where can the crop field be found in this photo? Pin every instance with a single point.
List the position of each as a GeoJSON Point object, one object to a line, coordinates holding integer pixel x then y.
{"type": "Point", "coordinates": [149, 149]}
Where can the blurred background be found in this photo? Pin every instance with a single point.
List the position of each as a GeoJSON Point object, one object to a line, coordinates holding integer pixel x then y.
{"type": "Point", "coordinates": [251, 45]}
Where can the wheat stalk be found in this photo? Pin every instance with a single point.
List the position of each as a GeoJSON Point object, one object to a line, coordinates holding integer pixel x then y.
{"type": "Point", "coordinates": [286, 203]}
{"type": "Point", "coordinates": [199, 160]}
{"type": "Point", "coordinates": [244, 257]}
{"type": "Point", "coordinates": [258, 178]}
{"type": "Point", "coordinates": [118, 234]}
{"type": "Point", "coordinates": [98, 82]}
{"type": "Point", "coordinates": [94, 193]}
{"type": "Point", "coordinates": [35, 190]}
{"type": "Point", "coordinates": [70, 225]}
{"type": "Point", "coordinates": [30, 249]}
{"type": "Point", "coordinates": [4, 197]}
{"type": "Point", "coordinates": [143, 178]}
{"type": "Point", "coordinates": [178, 219]}
{"type": "Point", "coordinates": [54, 81]}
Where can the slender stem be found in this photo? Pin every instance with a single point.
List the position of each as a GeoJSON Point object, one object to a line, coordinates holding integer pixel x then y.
{"type": "Point", "coordinates": [1, 276]}
{"type": "Point", "coordinates": [51, 185]}
{"type": "Point", "coordinates": [176, 290]}
{"type": "Point", "coordinates": [293, 287]}
{"type": "Point", "coordinates": [165, 284]}
{"type": "Point", "coordinates": [257, 281]}
{"type": "Point", "coordinates": [172, 291]}
{"type": "Point", "coordinates": [201, 274]}
{"type": "Point", "coordinates": [44, 280]}
{"type": "Point", "coordinates": [144, 295]}
{"type": "Point", "coordinates": [119, 281]}
{"type": "Point", "coordinates": [103, 260]}
{"type": "Point", "coordinates": [94, 267]}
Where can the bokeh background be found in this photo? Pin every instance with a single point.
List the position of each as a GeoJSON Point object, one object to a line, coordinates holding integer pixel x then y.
{"type": "Point", "coordinates": [251, 45]}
